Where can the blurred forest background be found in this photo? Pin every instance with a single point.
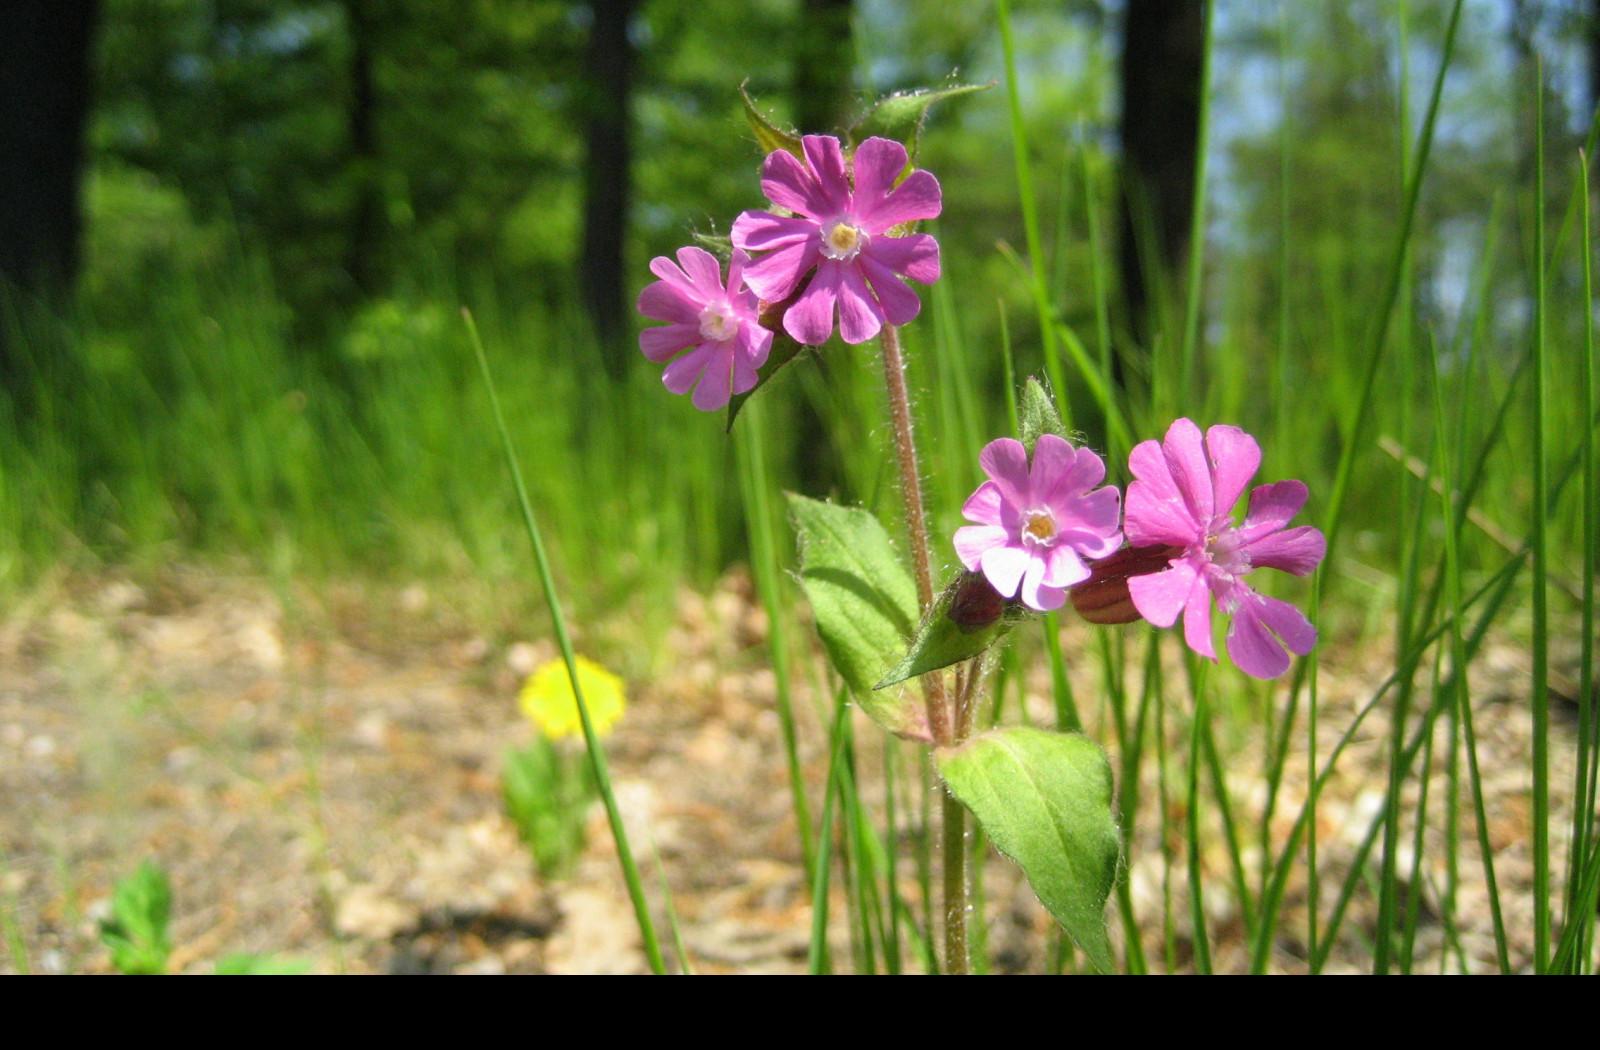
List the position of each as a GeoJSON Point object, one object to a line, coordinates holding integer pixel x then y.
{"type": "Point", "coordinates": [236, 235]}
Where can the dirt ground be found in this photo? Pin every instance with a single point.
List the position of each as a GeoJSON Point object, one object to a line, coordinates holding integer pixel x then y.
{"type": "Point", "coordinates": [318, 773]}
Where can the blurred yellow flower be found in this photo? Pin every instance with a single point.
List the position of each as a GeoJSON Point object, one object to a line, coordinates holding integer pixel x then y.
{"type": "Point", "coordinates": [548, 702]}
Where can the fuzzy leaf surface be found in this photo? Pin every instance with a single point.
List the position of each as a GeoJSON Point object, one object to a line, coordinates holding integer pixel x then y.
{"type": "Point", "coordinates": [864, 603]}
{"type": "Point", "coordinates": [900, 116]}
{"type": "Point", "coordinates": [1044, 800]}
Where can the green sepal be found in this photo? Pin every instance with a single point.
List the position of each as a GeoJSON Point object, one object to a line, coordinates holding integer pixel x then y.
{"type": "Point", "coordinates": [900, 116]}
{"type": "Point", "coordinates": [863, 601]}
{"type": "Point", "coordinates": [769, 136]}
{"type": "Point", "coordinates": [967, 618]}
{"type": "Point", "coordinates": [1044, 800]}
{"type": "Point", "coordinates": [1038, 415]}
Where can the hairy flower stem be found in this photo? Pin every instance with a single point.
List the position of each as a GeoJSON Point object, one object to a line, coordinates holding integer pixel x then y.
{"type": "Point", "coordinates": [940, 721]}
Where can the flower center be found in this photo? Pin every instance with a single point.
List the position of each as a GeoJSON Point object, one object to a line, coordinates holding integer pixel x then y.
{"type": "Point", "coordinates": [717, 321]}
{"type": "Point", "coordinates": [842, 241]}
{"type": "Point", "coordinates": [1223, 550]}
{"type": "Point", "coordinates": [1038, 528]}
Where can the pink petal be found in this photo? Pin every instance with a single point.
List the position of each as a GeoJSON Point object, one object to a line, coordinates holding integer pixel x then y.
{"type": "Point", "coordinates": [900, 304]}
{"type": "Point", "coordinates": [919, 197]}
{"type": "Point", "coordinates": [659, 344]}
{"type": "Point", "coordinates": [916, 256]}
{"type": "Point", "coordinates": [681, 374]}
{"type": "Point", "coordinates": [1235, 458]}
{"type": "Point", "coordinates": [860, 315]}
{"type": "Point", "coordinates": [1036, 594]}
{"type": "Point", "coordinates": [878, 163]}
{"type": "Point", "coordinates": [704, 272]}
{"type": "Point", "coordinates": [715, 385]}
{"type": "Point", "coordinates": [1186, 459]}
{"type": "Point", "coordinates": [664, 301]}
{"type": "Point", "coordinates": [774, 276]}
{"type": "Point", "coordinates": [1156, 511]}
{"type": "Point", "coordinates": [1258, 624]}
{"type": "Point", "coordinates": [754, 344]}
{"type": "Point", "coordinates": [974, 541]}
{"type": "Point", "coordinates": [747, 361]}
{"type": "Point", "coordinates": [1063, 567]}
{"type": "Point", "coordinates": [983, 506]}
{"type": "Point", "coordinates": [1296, 551]}
{"type": "Point", "coordinates": [810, 318]}
{"type": "Point", "coordinates": [1053, 459]}
{"type": "Point", "coordinates": [1252, 647]}
{"type": "Point", "coordinates": [760, 231]}
{"type": "Point", "coordinates": [1272, 507]}
{"type": "Point", "coordinates": [789, 183]}
{"type": "Point", "coordinates": [1004, 567]}
{"type": "Point", "coordinates": [1160, 597]}
{"type": "Point", "coordinates": [1197, 620]}
{"type": "Point", "coordinates": [1006, 463]}
{"type": "Point", "coordinates": [674, 277]}
{"type": "Point", "coordinates": [826, 158]}
{"type": "Point", "coordinates": [1290, 624]}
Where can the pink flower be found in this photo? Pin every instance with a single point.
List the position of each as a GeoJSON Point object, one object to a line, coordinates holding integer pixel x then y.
{"type": "Point", "coordinates": [717, 324]}
{"type": "Point", "coordinates": [1035, 526]}
{"type": "Point", "coordinates": [1184, 497]}
{"type": "Point", "coordinates": [840, 232]}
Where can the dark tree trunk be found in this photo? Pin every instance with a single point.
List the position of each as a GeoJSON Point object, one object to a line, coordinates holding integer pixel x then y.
{"type": "Point", "coordinates": [361, 251]}
{"type": "Point", "coordinates": [44, 103]}
{"type": "Point", "coordinates": [604, 109]}
{"type": "Point", "coordinates": [824, 67]}
{"type": "Point", "coordinates": [1163, 51]}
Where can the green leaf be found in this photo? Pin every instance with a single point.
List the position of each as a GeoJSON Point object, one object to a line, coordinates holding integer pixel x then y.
{"type": "Point", "coordinates": [864, 603]}
{"type": "Point", "coordinates": [769, 136]}
{"type": "Point", "coordinates": [900, 116]}
{"type": "Point", "coordinates": [784, 349]}
{"type": "Point", "coordinates": [1039, 415]}
{"type": "Point", "coordinates": [966, 619]}
{"type": "Point", "coordinates": [136, 932]}
{"type": "Point", "coordinates": [1044, 800]}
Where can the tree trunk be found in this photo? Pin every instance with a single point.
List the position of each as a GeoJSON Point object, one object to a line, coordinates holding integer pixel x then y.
{"type": "Point", "coordinates": [607, 90]}
{"type": "Point", "coordinates": [1163, 45]}
{"type": "Point", "coordinates": [824, 66]}
{"type": "Point", "coordinates": [44, 103]}
{"type": "Point", "coordinates": [366, 218]}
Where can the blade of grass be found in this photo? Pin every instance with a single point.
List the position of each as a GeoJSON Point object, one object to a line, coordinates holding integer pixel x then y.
{"type": "Point", "coordinates": [597, 760]}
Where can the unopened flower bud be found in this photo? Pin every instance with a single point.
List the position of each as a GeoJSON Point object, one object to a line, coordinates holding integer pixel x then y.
{"type": "Point", "coordinates": [1103, 597]}
{"type": "Point", "coordinates": [976, 604]}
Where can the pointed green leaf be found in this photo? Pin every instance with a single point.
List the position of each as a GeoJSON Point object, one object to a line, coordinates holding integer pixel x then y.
{"type": "Point", "coordinates": [900, 116]}
{"type": "Point", "coordinates": [1044, 800]}
{"type": "Point", "coordinates": [1039, 415]}
{"type": "Point", "coordinates": [784, 349]}
{"type": "Point", "coordinates": [966, 619]}
{"type": "Point", "coordinates": [864, 603]}
{"type": "Point", "coordinates": [769, 136]}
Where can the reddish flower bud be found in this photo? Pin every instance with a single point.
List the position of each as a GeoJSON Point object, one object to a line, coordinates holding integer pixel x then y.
{"type": "Point", "coordinates": [1103, 597]}
{"type": "Point", "coordinates": [976, 604]}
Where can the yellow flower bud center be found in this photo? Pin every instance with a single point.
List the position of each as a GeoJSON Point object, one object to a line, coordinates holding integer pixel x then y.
{"type": "Point", "coordinates": [1041, 526]}
{"type": "Point", "coordinates": [841, 240]}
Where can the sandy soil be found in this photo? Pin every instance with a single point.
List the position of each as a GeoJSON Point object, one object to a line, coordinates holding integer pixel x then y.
{"type": "Point", "coordinates": [318, 773]}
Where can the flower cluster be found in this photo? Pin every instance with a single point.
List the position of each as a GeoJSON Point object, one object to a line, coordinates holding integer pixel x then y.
{"type": "Point", "coordinates": [829, 250]}
{"type": "Point", "coordinates": [1039, 526]}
